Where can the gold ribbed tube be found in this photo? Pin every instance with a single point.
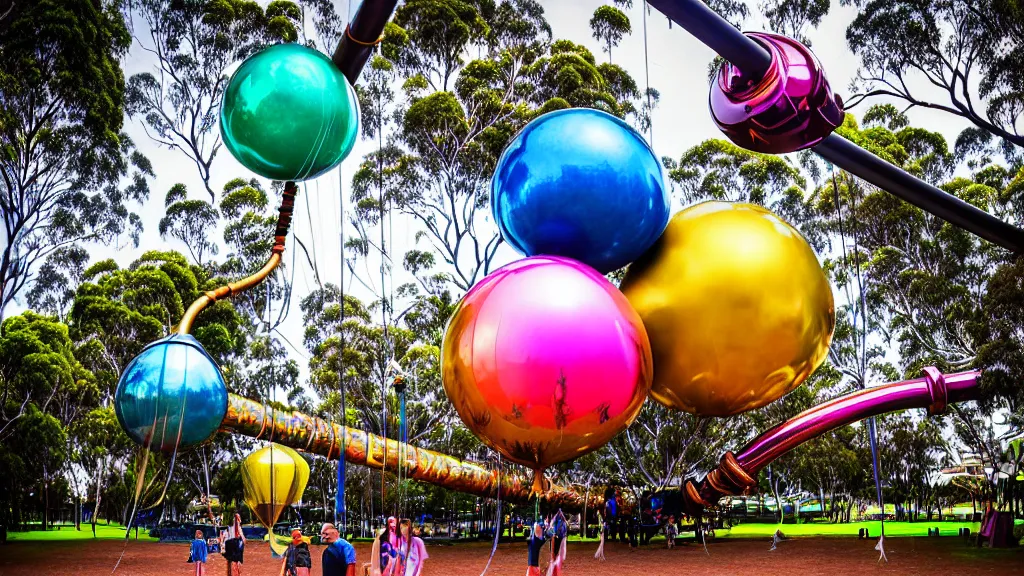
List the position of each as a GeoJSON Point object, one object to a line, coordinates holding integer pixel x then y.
{"type": "Point", "coordinates": [316, 436]}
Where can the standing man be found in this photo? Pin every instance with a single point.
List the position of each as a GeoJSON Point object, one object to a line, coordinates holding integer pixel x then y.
{"type": "Point", "coordinates": [339, 557]}
{"type": "Point", "coordinates": [611, 513]}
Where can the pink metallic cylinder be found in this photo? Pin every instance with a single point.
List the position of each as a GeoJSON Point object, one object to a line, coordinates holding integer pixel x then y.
{"type": "Point", "coordinates": [790, 108]}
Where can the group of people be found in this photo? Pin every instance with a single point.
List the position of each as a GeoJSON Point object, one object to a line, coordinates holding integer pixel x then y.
{"type": "Point", "coordinates": [232, 545]}
{"type": "Point", "coordinates": [398, 551]}
{"type": "Point", "coordinates": [637, 530]}
{"type": "Point", "coordinates": [338, 558]}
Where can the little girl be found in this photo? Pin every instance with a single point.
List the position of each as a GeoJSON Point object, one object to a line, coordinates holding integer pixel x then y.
{"type": "Point", "coordinates": [671, 530]}
{"type": "Point", "coordinates": [197, 555]}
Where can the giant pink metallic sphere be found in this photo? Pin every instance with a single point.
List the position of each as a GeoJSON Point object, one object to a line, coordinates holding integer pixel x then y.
{"type": "Point", "coordinates": [545, 360]}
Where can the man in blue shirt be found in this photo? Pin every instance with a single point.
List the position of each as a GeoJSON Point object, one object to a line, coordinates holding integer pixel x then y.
{"type": "Point", "coordinates": [339, 557]}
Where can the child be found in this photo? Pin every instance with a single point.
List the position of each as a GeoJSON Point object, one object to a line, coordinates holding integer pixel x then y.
{"type": "Point", "coordinates": [197, 555]}
{"type": "Point", "coordinates": [297, 561]}
{"type": "Point", "coordinates": [671, 530]}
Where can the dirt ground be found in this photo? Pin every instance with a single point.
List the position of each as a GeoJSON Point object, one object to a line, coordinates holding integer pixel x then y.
{"type": "Point", "coordinates": [805, 556]}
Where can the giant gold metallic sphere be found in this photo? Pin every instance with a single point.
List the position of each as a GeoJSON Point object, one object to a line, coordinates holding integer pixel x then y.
{"type": "Point", "coordinates": [736, 306]}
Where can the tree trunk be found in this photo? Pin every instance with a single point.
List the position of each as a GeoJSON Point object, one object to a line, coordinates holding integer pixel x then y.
{"type": "Point", "coordinates": [775, 492]}
{"type": "Point", "coordinates": [46, 502]}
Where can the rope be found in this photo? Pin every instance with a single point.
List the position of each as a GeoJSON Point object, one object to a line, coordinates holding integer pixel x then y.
{"type": "Point", "coordinates": [385, 303]}
{"type": "Point", "coordinates": [271, 393]}
{"type": "Point", "coordinates": [348, 33]}
{"type": "Point", "coordinates": [497, 522]}
{"type": "Point", "coordinates": [340, 511]}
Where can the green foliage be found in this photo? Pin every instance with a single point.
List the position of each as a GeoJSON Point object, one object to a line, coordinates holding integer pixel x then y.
{"type": "Point", "coordinates": [952, 45]}
{"type": "Point", "coordinates": [44, 388]}
{"type": "Point", "coordinates": [609, 25]}
{"type": "Point", "coordinates": [189, 222]}
{"type": "Point", "coordinates": [438, 32]}
{"type": "Point", "coordinates": [793, 17]}
{"type": "Point", "coordinates": [62, 153]}
{"type": "Point", "coordinates": [366, 352]}
{"type": "Point", "coordinates": [194, 41]}
{"type": "Point", "coordinates": [720, 170]}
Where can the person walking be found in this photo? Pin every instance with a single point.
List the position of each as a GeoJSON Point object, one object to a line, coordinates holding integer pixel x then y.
{"type": "Point", "coordinates": [233, 545]}
{"type": "Point", "coordinates": [297, 561]}
{"type": "Point", "coordinates": [197, 554]}
{"type": "Point", "coordinates": [339, 558]}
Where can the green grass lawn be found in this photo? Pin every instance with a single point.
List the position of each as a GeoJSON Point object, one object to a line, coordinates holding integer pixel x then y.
{"type": "Point", "coordinates": [753, 530]}
{"type": "Point", "coordinates": [103, 532]}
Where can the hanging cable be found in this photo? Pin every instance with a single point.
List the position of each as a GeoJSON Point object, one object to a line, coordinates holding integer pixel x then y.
{"type": "Point", "coordinates": [647, 80]}
{"type": "Point", "coordinates": [340, 511]}
{"type": "Point", "coordinates": [386, 358]}
{"type": "Point", "coordinates": [271, 393]}
{"type": "Point", "coordinates": [872, 428]}
{"type": "Point", "coordinates": [497, 521]}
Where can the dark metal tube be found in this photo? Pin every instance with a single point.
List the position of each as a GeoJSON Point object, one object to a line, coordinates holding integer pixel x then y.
{"type": "Point", "coordinates": [358, 42]}
{"type": "Point", "coordinates": [860, 162]}
{"type": "Point", "coordinates": [714, 31]}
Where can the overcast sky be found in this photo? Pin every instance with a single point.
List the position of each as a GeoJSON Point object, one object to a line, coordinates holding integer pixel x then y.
{"type": "Point", "coordinates": [678, 69]}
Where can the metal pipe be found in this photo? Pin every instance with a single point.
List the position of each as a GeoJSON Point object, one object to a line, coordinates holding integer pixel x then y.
{"type": "Point", "coordinates": [753, 59]}
{"type": "Point", "coordinates": [361, 37]}
{"type": "Point", "coordinates": [864, 164]}
{"type": "Point", "coordinates": [736, 474]}
{"type": "Point", "coordinates": [317, 436]}
{"type": "Point", "coordinates": [284, 220]}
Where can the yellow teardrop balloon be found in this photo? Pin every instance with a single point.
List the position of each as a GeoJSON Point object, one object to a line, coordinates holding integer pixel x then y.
{"type": "Point", "coordinates": [274, 477]}
{"type": "Point", "coordinates": [736, 306]}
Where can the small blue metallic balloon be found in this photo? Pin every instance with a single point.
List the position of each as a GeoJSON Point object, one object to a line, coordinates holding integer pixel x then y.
{"type": "Point", "coordinates": [580, 183]}
{"type": "Point", "coordinates": [173, 387]}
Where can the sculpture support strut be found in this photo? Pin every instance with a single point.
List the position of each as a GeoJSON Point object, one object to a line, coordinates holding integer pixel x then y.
{"type": "Point", "coordinates": [284, 221]}
{"type": "Point", "coordinates": [735, 475]}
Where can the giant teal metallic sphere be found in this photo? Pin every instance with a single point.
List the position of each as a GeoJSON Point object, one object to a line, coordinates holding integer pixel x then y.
{"type": "Point", "coordinates": [173, 387]}
{"type": "Point", "coordinates": [583, 184]}
{"type": "Point", "coordinates": [289, 113]}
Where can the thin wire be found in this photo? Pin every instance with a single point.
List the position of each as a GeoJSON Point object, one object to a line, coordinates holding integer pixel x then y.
{"type": "Point", "coordinates": [384, 303]}
{"type": "Point", "coordinates": [872, 427]}
{"type": "Point", "coordinates": [647, 80]}
{"type": "Point", "coordinates": [497, 521]}
{"type": "Point", "coordinates": [271, 394]}
{"type": "Point", "coordinates": [342, 464]}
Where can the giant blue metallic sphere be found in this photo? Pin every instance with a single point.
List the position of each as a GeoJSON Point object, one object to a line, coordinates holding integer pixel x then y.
{"type": "Point", "coordinates": [173, 387]}
{"type": "Point", "coordinates": [580, 183]}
